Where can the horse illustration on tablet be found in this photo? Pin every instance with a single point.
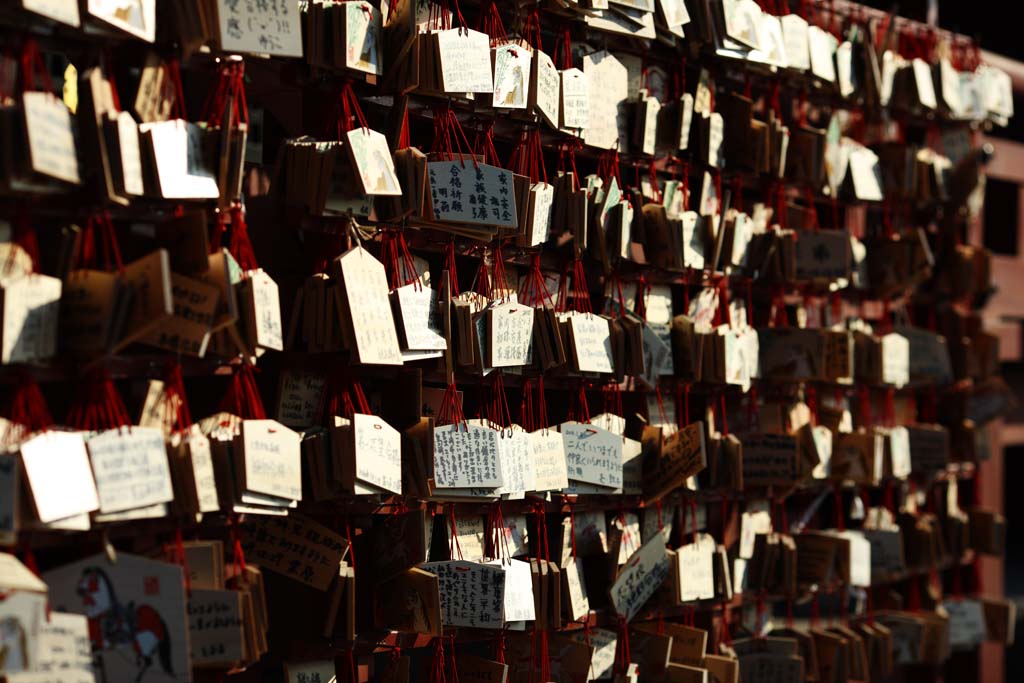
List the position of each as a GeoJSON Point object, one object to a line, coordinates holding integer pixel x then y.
{"type": "Point", "coordinates": [113, 624]}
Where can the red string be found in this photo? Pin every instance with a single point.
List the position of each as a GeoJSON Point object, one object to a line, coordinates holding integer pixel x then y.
{"type": "Point", "coordinates": [174, 390]}
{"type": "Point", "coordinates": [25, 236]}
{"type": "Point", "coordinates": [451, 408]}
{"type": "Point", "coordinates": [811, 222]}
{"type": "Point", "coordinates": [490, 23]}
{"type": "Point", "coordinates": [716, 176]}
{"type": "Point", "coordinates": [404, 141]}
{"type": "Point", "coordinates": [725, 633]}
{"type": "Point", "coordinates": [347, 107]}
{"type": "Point", "coordinates": [889, 497]}
{"type": "Point", "coordinates": [534, 289]}
{"type": "Point", "coordinates": [107, 60]}
{"type": "Point", "coordinates": [497, 411]}
{"type": "Point", "coordinates": [567, 160]}
{"type": "Point", "coordinates": [483, 144]}
{"type": "Point", "coordinates": [563, 48]}
{"type": "Point", "coordinates": [243, 396]}
{"type": "Point", "coordinates": [482, 282]}
{"type": "Point", "coordinates": [439, 18]}
{"type": "Point", "coordinates": [500, 645]}
{"type": "Point", "coordinates": [543, 551]}
{"type": "Point", "coordinates": [351, 545]}
{"type": "Point", "coordinates": [33, 68]}
{"type": "Point", "coordinates": [437, 669]}
{"type": "Point", "coordinates": [98, 405]}
{"type": "Point", "coordinates": [182, 559]}
{"type": "Point", "coordinates": [685, 186]}
{"type": "Point", "coordinates": [239, 552]}
{"type": "Point", "coordinates": [613, 398]}
{"type": "Point", "coordinates": [662, 413]}
{"type": "Point", "coordinates": [812, 404]}
{"type": "Point", "coordinates": [914, 594]}
{"type": "Point", "coordinates": [581, 293]}
{"type": "Point", "coordinates": [449, 138]}
{"type": "Point", "coordinates": [28, 558]}
{"type": "Point", "coordinates": [652, 178]}
{"type": "Point", "coordinates": [531, 30]}
{"type": "Point", "coordinates": [240, 245]}
{"type": "Point", "coordinates": [622, 654]}
{"type": "Point", "coordinates": [498, 278]}
{"type": "Point", "coordinates": [865, 405]}
{"type": "Point", "coordinates": [737, 190]}
{"type": "Point", "coordinates": [579, 410]}
{"type": "Point", "coordinates": [343, 396]}
{"type": "Point", "coordinates": [450, 269]}
{"type": "Point", "coordinates": [753, 409]}
{"type": "Point", "coordinates": [528, 157]}
{"type": "Point", "coordinates": [398, 260]}
{"type": "Point", "coordinates": [779, 312]}
{"type": "Point", "coordinates": [643, 288]}
{"type": "Point", "coordinates": [723, 299]}
{"type": "Point", "coordinates": [173, 72]}
{"type": "Point", "coordinates": [608, 167]}
{"type": "Point", "coordinates": [228, 95]}
{"type": "Point", "coordinates": [87, 252]}
{"type": "Point", "coordinates": [454, 548]}
{"type": "Point", "coordinates": [572, 527]}
{"type": "Point", "coordinates": [27, 407]}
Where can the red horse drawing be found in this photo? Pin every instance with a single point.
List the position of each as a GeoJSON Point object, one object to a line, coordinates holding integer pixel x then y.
{"type": "Point", "coordinates": [112, 624]}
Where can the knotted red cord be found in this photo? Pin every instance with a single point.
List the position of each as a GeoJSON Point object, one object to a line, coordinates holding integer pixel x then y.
{"type": "Point", "coordinates": [608, 167]}
{"type": "Point", "coordinates": [25, 237]}
{"type": "Point", "coordinates": [622, 654]}
{"type": "Point", "coordinates": [534, 289]}
{"type": "Point", "coordinates": [454, 548]}
{"type": "Point", "coordinates": [27, 407]}
{"type": "Point", "coordinates": [483, 283]}
{"type": "Point", "coordinates": [343, 396]}
{"type": "Point", "coordinates": [398, 260]}
{"type": "Point", "coordinates": [179, 418]}
{"type": "Point", "coordinates": [451, 408]}
{"type": "Point", "coordinates": [682, 398]}
{"type": "Point", "coordinates": [499, 538]}
{"type": "Point", "coordinates": [450, 268]}
{"type": "Point", "coordinates": [531, 29]}
{"type": "Point", "coordinates": [563, 48]}
{"type": "Point", "coordinates": [33, 68]}
{"type": "Point", "coordinates": [98, 405]}
{"type": "Point", "coordinates": [579, 410]}
{"type": "Point", "coordinates": [228, 96]}
{"type": "Point", "coordinates": [483, 144]}
{"type": "Point", "coordinates": [238, 553]}
{"type": "Point", "coordinates": [837, 494]}
{"type": "Point", "coordinates": [345, 107]}
{"type": "Point", "coordinates": [528, 157]}
{"type": "Point", "coordinates": [243, 397]}
{"type": "Point", "coordinates": [580, 291]}
{"type": "Point", "coordinates": [87, 253]}
{"type": "Point", "coordinates": [449, 138]}
{"type": "Point", "coordinates": [498, 277]}
{"type": "Point", "coordinates": [179, 557]}
{"type": "Point", "coordinates": [239, 244]}
{"type": "Point", "coordinates": [491, 24]}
